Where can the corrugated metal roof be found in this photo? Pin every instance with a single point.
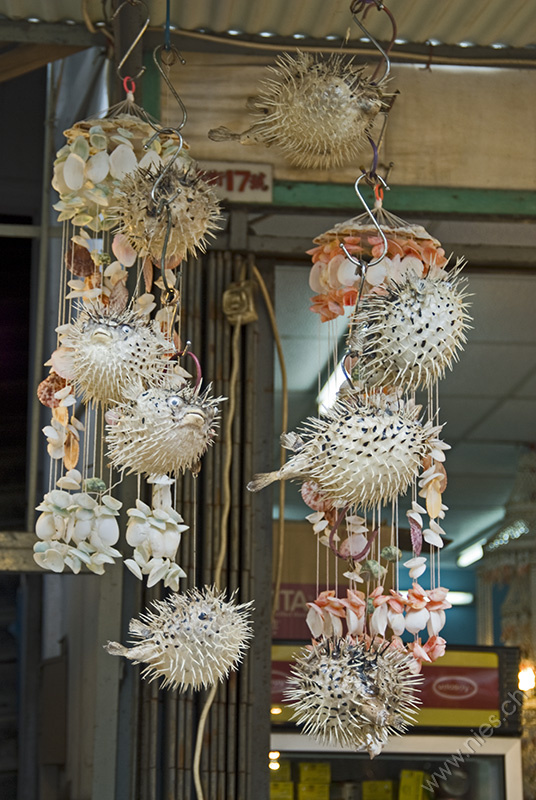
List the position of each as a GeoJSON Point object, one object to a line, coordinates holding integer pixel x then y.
{"type": "Point", "coordinates": [479, 22]}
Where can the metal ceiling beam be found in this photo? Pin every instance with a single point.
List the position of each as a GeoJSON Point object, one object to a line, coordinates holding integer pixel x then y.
{"type": "Point", "coordinates": [77, 35]}
{"type": "Point", "coordinates": [25, 58]}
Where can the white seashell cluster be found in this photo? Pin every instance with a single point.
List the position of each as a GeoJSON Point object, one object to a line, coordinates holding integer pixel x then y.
{"type": "Point", "coordinates": [99, 153]}
{"type": "Point", "coordinates": [77, 529]}
{"type": "Point", "coordinates": [190, 640]}
{"type": "Point", "coordinates": [104, 352]}
{"type": "Point", "coordinates": [409, 337]}
{"type": "Point", "coordinates": [359, 454]}
{"type": "Point", "coordinates": [155, 534]}
{"type": "Point", "coordinates": [317, 110]}
{"type": "Point", "coordinates": [179, 192]}
{"type": "Point", "coordinates": [352, 693]}
{"type": "Point", "coordinates": [163, 430]}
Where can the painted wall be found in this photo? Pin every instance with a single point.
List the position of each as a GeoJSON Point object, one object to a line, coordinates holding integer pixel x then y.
{"type": "Point", "coordinates": [436, 133]}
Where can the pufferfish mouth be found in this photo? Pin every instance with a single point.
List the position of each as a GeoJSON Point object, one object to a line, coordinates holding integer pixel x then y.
{"type": "Point", "coordinates": [101, 335]}
{"type": "Point", "coordinates": [193, 417]}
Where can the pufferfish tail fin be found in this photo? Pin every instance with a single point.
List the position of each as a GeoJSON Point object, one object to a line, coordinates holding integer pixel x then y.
{"type": "Point", "coordinates": [262, 480]}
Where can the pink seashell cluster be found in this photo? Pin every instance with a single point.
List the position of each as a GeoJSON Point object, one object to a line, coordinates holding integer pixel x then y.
{"type": "Point", "coordinates": [371, 616]}
{"type": "Point", "coordinates": [336, 280]}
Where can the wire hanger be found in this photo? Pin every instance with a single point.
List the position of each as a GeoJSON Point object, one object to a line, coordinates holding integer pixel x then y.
{"type": "Point", "coordinates": [358, 6]}
{"type": "Point", "coordinates": [136, 40]}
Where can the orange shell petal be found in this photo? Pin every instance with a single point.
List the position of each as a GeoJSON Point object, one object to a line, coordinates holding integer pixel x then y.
{"type": "Point", "coordinates": [72, 451]}
{"type": "Point", "coordinates": [61, 414]}
{"type": "Point", "coordinates": [433, 498]}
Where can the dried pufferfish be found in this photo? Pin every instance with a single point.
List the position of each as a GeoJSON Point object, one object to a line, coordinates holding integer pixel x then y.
{"type": "Point", "coordinates": [412, 335]}
{"type": "Point", "coordinates": [162, 430]}
{"type": "Point", "coordinates": [191, 202]}
{"type": "Point", "coordinates": [189, 640]}
{"type": "Point", "coordinates": [318, 110]}
{"type": "Point", "coordinates": [104, 352]}
{"type": "Point", "coordinates": [353, 694]}
{"type": "Point", "coordinates": [358, 454]}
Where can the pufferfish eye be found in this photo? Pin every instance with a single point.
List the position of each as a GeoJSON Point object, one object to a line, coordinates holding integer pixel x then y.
{"type": "Point", "coordinates": [125, 328]}
{"type": "Point", "coordinates": [174, 402]}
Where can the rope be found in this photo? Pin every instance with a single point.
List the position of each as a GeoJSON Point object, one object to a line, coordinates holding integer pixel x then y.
{"type": "Point", "coordinates": [284, 423]}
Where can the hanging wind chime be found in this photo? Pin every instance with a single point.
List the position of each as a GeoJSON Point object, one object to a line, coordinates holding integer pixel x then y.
{"type": "Point", "coordinates": [132, 201]}
{"type": "Point", "coordinates": [357, 683]}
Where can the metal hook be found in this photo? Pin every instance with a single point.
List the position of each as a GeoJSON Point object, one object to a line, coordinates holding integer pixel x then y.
{"type": "Point", "coordinates": [356, 8]}
{"type": "Point", "coordinates": [172, 54]}
{"type": "Point", "coordinates": [374, 221]}
{"type": "Point", "coordinates": [166, 200]}
{"type": "Point", "coordinates": [136, 40]}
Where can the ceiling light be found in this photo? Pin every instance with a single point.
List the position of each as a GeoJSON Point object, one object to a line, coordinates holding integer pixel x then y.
{"type": "Point", "coordinates": [512, 531]}
{"type": "Point", "coordinates": [471, 554]}
{"type": "Point", "coordinates": [274, 764]}
{"type": "Point", "coordinates": [276, 710]}
{"type": "Point", "coordinates": [433, 42]}
{"type": "Point", "coordinates": [455, 598]}
{"type": "Point", "coordinates": [33, 19]}
{"type": "Point", "coordinates": [499, 45]}
{"type": "Point", "coordinates": [234, 33]}
{"type": "Point", "coordinates": [266, 33]}
{"type": "Point", "coordinates": [460, 598]}
{"type": "Point", "coordinates": [401, 41]}
{"type": "Point", "coordinates": [327, 396]}
{"type": "Point", "coordinates": [273, 755]}
{"type": "Point", "coordinates": [331, 37]}
{"type": "Point", "coordinates": [466, 44]}
{"type": "Point", "coordinates": [299, 36]}
{"type": "Point", "coordinates": [364, 39]}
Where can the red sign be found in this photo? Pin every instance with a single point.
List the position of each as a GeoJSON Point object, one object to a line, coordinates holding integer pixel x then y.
{"type": "Point", "coordinates": [460, 687]}
{"type": "Point", "coordinates": [289, 623]}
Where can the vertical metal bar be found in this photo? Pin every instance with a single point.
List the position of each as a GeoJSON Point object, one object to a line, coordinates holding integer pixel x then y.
{"type": "Point", "coordinates": [39, 307]}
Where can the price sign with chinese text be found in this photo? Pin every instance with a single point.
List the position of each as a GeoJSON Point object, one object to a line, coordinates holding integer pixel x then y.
{"type": "Point", "coordinates": [239, 182]}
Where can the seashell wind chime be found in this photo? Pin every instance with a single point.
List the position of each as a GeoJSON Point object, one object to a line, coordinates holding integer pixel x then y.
{"type": "Point", "coordinates": [358, 681]}
{"type": "Point", "coordinates": [132, 204]}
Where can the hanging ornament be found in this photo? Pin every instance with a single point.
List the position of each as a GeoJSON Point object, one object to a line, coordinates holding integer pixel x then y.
{"type": "Point", "coordinates": [155, 534]}
{"type": "Point", "coordinates": [103, 352]}
{"type": "Point", "coordinates": [77, 529]}
{"type": "Point", "coordinates": [411, 251]}
{"type": "Point", "coordinates": [359, 454]}
{"type": "Point", "coordinates": [190, 640]}
{"type": "Point", "coordinates": [190, 213]}
{"type": "Point", "coordinates": [354, 694]}
{"type": "Point", "coordinates": [409, 335]}
{"type": "Point", "coordinates": [99, 154]}
{"type": "Point", "coordinates": [319, 111]}
{"type": "Point", "coordinates": [162, 430]}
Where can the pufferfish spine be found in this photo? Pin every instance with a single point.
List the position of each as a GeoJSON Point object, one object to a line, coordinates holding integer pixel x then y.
{"type": "Point", "coordinates": [353, 694]}
{"type": "Point", "coordinates": [107, 351]}
{"type": "Point", "coordinates": [411, 336]}
{"type": "Point", "coordinates": [162, 430]}
{"type": "Point", "coordinates": [190, 640]}
{"type": "Point", "coordinates": [359, 455]}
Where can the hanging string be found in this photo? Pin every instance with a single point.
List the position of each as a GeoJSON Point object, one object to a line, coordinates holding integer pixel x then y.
{"type": "Point", "coordinates": [167, 29]}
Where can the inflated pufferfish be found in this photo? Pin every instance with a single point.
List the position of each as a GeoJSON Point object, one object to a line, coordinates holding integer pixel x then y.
{"type": "Point", "coordinates": [359, 454]}
{"type": "Point", "coordinates": [353, 694]}
{"type": "Point", "coordinates": [318, 110]}
{"type": "Point", "coordinates": [190, 640]}
{"type": "Point", "coordinates": [104, 352]}
{"type": "Point", "coordinates": [162, 430]}
{"type": "Point", "coordinates": [410, 336]}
